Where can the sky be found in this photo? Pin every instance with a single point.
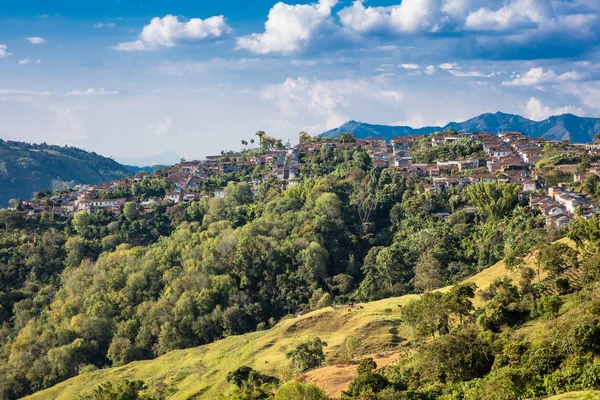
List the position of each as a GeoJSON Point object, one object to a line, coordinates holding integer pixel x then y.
{"type": "Point", "coordinates": [129, 78]}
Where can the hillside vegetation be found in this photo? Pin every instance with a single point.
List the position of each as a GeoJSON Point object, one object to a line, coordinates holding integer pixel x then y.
{"type": "Point", "coordinates": [201, 372]}
{"type": "Point", "coordinates": [87, 292]}
{"type": "Point", "coordinates": [28, 168]}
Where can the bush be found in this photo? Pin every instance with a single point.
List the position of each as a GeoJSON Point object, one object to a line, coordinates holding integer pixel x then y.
{"type": "Point", "coordinates": [549, 306]}
{"type": "Point", "coordinates": [367, 382]}
{"type": "Point", "coordinates": [366, 365]}
{"type": "Point", "coordinates": [307, 355]}
{"type": "Point", "coordinates": [300, 391]}
{"type": "Point", "coordinates": [239, 376]}
{"type": "Point", "coordinates": [585, 337]}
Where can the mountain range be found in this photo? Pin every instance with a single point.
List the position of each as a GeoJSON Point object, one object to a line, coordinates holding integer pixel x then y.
{"type": "Point", "coordinates": [559, 127]}
{"type": "Point", "coordinates": [27, 168]}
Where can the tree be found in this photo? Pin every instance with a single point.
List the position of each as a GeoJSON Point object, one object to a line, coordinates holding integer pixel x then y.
{"type": "Point", "coordinates": [459, 356]}
{"type": "Point", "coordinates": [239, 376]}
{"type": "Point", "coordinates": [81, 222]}
{"type": "Point", "coordinates": [307, 355]}
{"type": "Point", "coordinates": [300, 391]}
{"type": "Point", "coordinates": [304, 137]}
{"type": "Point", "coordinates": [428, 273]}
{"type": "Point", "coordinates": [121, 390]}
{"type": "Point", "coordinates": [493, 200]}
{"type": "Point", "coordinates": [428, 315]}
{"type": "Point", "coordinates": [130, 211]}
{"type": "Point", "coordinates": [459, 299]}
{"type": "Point", "coordinates": [557, 257]}
{"type": "Point", "coordinates": [347, 137]}
{"type": "Point", "coordinates": [366, 365]}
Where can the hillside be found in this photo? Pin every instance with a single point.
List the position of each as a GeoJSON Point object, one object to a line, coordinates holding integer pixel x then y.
{"type": "Point", "coordinates": [561, 127]}
{"type": "Point", "coordinates": [200, 373]}
{"type": "Point", "coordinates": [28, 168]}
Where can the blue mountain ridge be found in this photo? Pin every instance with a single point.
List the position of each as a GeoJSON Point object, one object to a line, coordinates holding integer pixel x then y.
{"type": "Point", "coordinates": [558, 127]}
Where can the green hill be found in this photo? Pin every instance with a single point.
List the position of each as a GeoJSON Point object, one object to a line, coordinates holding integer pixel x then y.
{"type": "Point", "coordinates": [29, 168]}
{"type": "Point", "coordinates": [200, 373]}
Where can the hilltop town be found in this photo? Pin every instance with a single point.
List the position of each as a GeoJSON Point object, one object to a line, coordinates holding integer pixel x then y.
{"type": "Point", "coordinates": [508, 157]}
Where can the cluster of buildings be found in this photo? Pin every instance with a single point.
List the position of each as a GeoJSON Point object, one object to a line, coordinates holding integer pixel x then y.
{"type": "Point", "coordinates": [559, 205]}
{"type": "Point", "coordinates": [506, 157]}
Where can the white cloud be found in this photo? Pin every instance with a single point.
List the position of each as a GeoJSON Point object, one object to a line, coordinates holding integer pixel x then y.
{"type": "Point", "coordinates": [409, 16]}
{"type": "Point", "coordinates": [429, 70]}
{"type": "Point", "coordinates": [4, 51]}
{"type": "Point", "coordinates": [19, 92]}
{"type": "Point", "coordinates": [25, 61]}
{"type": "Point", "coordinates": [415, 121]}
{"type": "Point", "coordinates": [104, 25]}
{"type": "Point", "coordinates": [289, 28]}
{"type": "Point", "coordinates": [588, 92]}
{"type": "Point", "coordinates": [448, 66]}
{"type": "Point", "coordinates": [93, 92]}
{"type": "Point", "coordinates": [170, 31]}
{"type": "Point", "coordinates": [161, 127]}
{"type": "Point", "coordinates": [537, 111]}
{"type": "Point", "coordinates": [513, 14]}
{"type": "Point", "coordinates": [471, 74]}
{"type": "Point", "coordinates": [325, 102]}
{"type": "Point", "coordinates": [36, 40]}
{"type": "Point", "coordinates": [537, 76]}
{"type": "Point", "coordinates": [410, 66]}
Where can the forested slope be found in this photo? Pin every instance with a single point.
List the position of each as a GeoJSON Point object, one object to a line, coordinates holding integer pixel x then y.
{"type": "Point", "coordinates": [28, 168]}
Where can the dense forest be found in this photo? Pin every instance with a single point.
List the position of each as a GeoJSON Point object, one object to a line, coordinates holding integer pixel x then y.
{"type": "Point", "coordinates": [28, 168]}
{"type": "Point", "coordinates": [91, 291]}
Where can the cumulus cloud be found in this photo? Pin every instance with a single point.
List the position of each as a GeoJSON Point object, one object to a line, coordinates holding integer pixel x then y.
{"type": "Point", "coordinates": [326, 101]}
{"type": "Point", "coordinates": [160, 127]}
{"type": "Point", "coordinates": [170, 31]}
{"type": "Point", "coordinates": [410, 16]}
{"type": "Point", "coordinates": [35, 40]}
{"type": "Point", "coordinates": [26, 61]}
{"type": "Point", "coordinates": [511, 15]}
{"type": "Point", "coordinates": [290, 28]}
{"type": "Point", "coordinates": [537, 77]}
{"type": "Point", "coordinates": [448, 66]}
{"type": "Point", "coordinates": [93, 92]}
{"type": "Point", "coordinates": [537, 111]}
{"type": "Point", "coordinates": [410, 66]}
{"type": "Point", "coordinates": [429, 70]}
{"type": "Point", "coordinates": [588, 92]}
{"type": "Point", "coordinates": [4, 51]}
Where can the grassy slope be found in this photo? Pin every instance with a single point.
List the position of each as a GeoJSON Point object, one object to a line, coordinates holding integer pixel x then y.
{"type": "Point", "coordinates": [200, 372]}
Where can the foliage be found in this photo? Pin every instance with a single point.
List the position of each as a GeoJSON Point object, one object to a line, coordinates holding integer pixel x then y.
{"type": "Point", "coordinates": [28, 168]}
{"type": "Point", "coordinates": [307, 355]}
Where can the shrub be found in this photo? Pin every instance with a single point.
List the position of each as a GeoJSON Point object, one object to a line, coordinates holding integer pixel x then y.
{"type": "Point", "coordinates": [307, 355]}
{"type": "Point", "coordinates": [300, 391]}
{"type": "Point", "coordinates": [239, 376]}
{"type": "Point", "coordinates": [366, 365]}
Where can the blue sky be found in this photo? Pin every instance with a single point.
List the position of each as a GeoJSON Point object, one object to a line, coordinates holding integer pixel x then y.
{"type": "Point", "coordinates": [136, 78]}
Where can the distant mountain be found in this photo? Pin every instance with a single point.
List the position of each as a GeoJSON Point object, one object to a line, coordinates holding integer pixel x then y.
{"type": "Point", "coordinates": [560, 127]}
{"type": "Point", "coordinates": [164, 158]}
{"type": "Point", "coordinates": [27, 168]}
